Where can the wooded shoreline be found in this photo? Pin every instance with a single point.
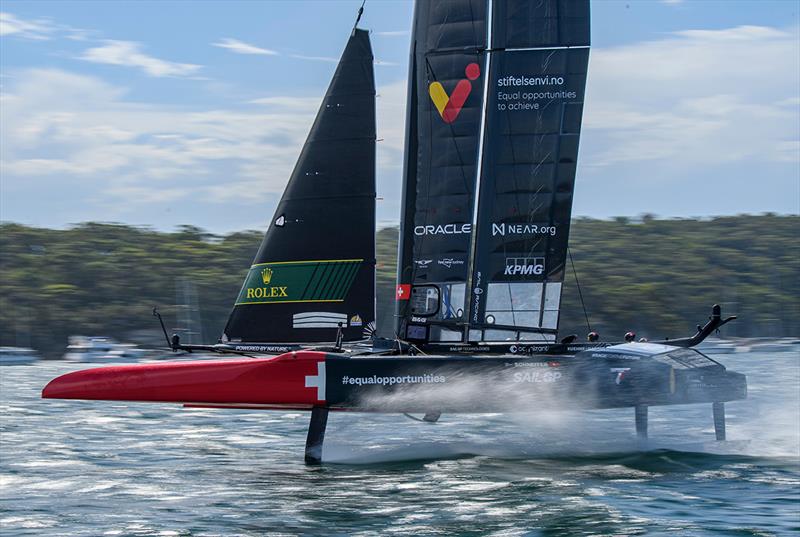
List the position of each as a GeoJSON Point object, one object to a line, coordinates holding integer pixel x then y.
{"type": "Point", "coordinates": [657, 277]}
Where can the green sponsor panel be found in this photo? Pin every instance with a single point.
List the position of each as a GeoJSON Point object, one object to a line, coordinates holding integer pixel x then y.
{"type": "Point", "coordinates": [299, 281]}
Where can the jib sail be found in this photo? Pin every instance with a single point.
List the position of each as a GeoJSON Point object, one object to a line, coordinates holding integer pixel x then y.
{"type": "Point", "coordinates": [531, 86]}
{"type": "Point", "coordinates": [315, 269]}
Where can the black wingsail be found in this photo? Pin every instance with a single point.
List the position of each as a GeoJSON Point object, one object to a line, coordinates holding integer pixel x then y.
{"type": "Point", "coordinates": [522, 146]}
{"type": "Point", "coordinates": [537, 74]}
{"type": "Point", "coordinates": [442, 142]}
{"type": "Point", "coordinates": [315, 269]}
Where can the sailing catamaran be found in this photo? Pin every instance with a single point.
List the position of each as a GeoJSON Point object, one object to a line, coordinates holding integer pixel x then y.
{"type": "Point", "coordinates": [494, 117]}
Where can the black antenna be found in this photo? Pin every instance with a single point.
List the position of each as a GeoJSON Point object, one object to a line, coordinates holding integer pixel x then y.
{"type": "Point", "coordinates": [339, 337]}
{"type": "Point", "coordinates": [580, 294]}
{"type": "Point", "coordinates": [157, 315]}
{"type": "Point", "coordinates": [360, 12]}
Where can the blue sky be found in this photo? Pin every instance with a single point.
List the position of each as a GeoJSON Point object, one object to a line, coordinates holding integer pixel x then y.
{"type": "Point", "coordinates": [167, 113]}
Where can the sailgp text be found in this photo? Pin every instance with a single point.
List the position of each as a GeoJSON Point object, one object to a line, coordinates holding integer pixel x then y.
{"type": "Point", "coordinates": [537, 376]}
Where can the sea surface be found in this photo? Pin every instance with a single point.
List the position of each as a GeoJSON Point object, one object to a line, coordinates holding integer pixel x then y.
{"type": "Point", "coordinates": [100, 468]}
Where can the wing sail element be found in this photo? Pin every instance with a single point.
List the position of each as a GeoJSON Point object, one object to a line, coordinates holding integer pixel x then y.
{"type": "Point", "coordinates": [495, 104]}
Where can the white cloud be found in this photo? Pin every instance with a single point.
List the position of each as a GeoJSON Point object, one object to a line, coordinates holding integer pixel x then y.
{"type": "Point", "coordinates": [129, 54]}
{"type": "Point", "coordinates": [391, 117]}
{"type": "Point", "coordinates": [240, 47]}
{"type": "Point", "coordinates": [398, 33]}
{"type": "Point", "coordinates": [40, 29]}
{"type": "Point", "coordinates": [682, 106]}
{"type": "Point", "coordinates": [63, 130]}
{"type": "Point", "coordinates": [85, 129]}
{"type": "Point", "coordinates": [315, 58]}
{"type": "Point", "coordinates": [696, 97]}
{"type": "Point", "coordinates": [301, 103]}
{"type": "Point", "coordinates": [746, 33]}
{"type": "Point", "coordinates": [791, 102]}
{"type": "Point", "coordinates": [11, 25]}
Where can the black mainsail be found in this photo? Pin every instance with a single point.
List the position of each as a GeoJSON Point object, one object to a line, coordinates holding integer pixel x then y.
{"type": "Point", "coordinates": [442, 146]}
{"type": "Point", "coordinates": [495, 106]}
{"type": "Point", "coordinates": [315, 269]}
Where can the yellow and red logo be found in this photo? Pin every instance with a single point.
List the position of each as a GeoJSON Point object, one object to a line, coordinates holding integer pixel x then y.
{"type": "Point", "coordinates": [449, 106]}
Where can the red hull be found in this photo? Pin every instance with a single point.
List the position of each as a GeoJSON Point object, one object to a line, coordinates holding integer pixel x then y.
{"type": "Point", "coordinates": [285, 381]}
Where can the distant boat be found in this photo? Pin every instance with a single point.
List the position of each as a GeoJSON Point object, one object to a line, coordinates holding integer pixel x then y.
{"type": "Point", "coordinates": [717, 346]}
{"type": "Point", "coordinates": [101, 350]}
{"type": "Point", "coordinates": [17, 356]}
{"type": "Point", "coordinates": [776, 345]}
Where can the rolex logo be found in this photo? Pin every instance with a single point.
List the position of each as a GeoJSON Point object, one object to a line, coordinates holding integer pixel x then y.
{"type": "Point", "coordinates": [266, 275]}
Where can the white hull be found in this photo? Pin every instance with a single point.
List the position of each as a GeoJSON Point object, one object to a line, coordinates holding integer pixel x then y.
{"type": "Point", "coordinates": [775, 347]}
{"type": "Point", "coordinates": [717, 349]}
{"type": "Point", "coordinates": [17, 360]}
{"type": "Point", "coordinates": [717, 346]}
{"type": "Point", "coordinates": [17, 356]}
{"type": "Point", "coordinates": [101, 350]}
{"type": "Point", "coordinates": [100, 358]}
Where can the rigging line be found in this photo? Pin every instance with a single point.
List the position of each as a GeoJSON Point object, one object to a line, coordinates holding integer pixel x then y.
{"type": "Point", "coordinates": [580, 294]}
{"type": "Point", "coordinates": [360, 12]}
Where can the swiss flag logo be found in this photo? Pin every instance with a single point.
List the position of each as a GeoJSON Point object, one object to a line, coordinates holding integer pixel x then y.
{"type": "Point", "coordinates": [403, 291]}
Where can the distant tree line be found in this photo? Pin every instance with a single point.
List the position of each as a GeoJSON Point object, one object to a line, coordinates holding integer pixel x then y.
{"type": "Point", "coordinates": [658, 277]}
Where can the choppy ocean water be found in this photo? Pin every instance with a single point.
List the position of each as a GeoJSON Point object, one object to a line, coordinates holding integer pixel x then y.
{"type": "Point", "coordinates": [99, 468]}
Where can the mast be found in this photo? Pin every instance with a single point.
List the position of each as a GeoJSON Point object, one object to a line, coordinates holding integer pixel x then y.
{"type": "Point", "coordinates": [471, 305]}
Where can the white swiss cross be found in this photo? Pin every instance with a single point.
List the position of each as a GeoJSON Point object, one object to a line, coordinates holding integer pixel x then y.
{"type": "Point", "coordinates": [317, 381]}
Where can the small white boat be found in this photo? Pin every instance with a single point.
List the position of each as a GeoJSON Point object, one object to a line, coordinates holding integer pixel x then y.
{"type": "Point", "coordinates": [17, 355]}
{"type": "Point", "coordinates": [101, 350]}
{"type": "Point", "coordinates": [776, 345]}
{"type": "Point", "coordinates": [717, 346]}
